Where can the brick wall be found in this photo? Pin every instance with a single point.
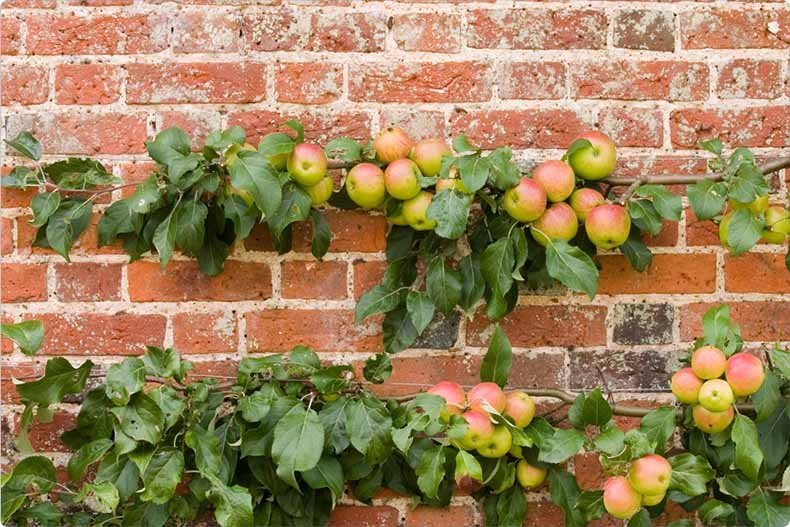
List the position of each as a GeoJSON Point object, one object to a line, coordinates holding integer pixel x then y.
{"type": "Point", "coordinates": [96, 77]}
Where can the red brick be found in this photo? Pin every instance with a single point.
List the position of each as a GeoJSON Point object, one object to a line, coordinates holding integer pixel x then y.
{"type": "Point", "coordinates": [319, 126]}
{"type": "Point", "coordinates": [628, 126]}
{"type": "Point", "coordinates": [588, 471]}
{"type": "Point", "coordinates": [27, 370]}
{"type": "Point", "coordinates": [421, 82]}
{"type": "Point", "coordinates": [260, 239]}
{"type": "Point", "coordinates": [668, 237]}
{"type": "Point", "coordinates": [30, 4]}
{"type": "Point", "coordinates": [205, 332]}
{"type": "Point", "coordinates": [87, 83]}
{"type": "Point", "coordinates": [544, 513]}
{"type": "Point", "coordinates": [206, 32]}
{"type": "Point", "coordinates": [536, 29]}
{"type": "Point", "coordinates": [321, 329]}
{"type": "Point", "coordinates": [644, 29]}
{"type": "Point", "coordinates": [536, 128]}
{"type": "Point", "coordinates": [668, 273]}
{"type": "Point", "coordinates": [183, 281]}
{"type": "Point", "coordinates": [314, 280]}
{"type": "Point", "coordinates": [116, 34]}
{"type": "Point", "coordinates": [24, 84]}
{"type": "Point", "coordinates": [752, 79]}
{"type": "Point", "coordinates": [99, 3]}
{"type": "Point", "coordinates": [135, 172]}
{"type": "Point", "coordinates": [532, 80]}
{"type": "Point", "coordinates": [635, 165]}
{"type": "Point", "coordinates": [6, 236]}
{"type": "Point", "coordinates": [434, 32]}
{"type": "Point", "coordinates": [306, 83]}
{"type": "Point", "coordinates": [121, 333]}
{"type": "Point", "coordinates": [282, 30]}
{"type": "Point", "coordinates": [763, 321]}
{"type": "Point", "coordinates": [352, 231]}
{"type": "Point", "coordinates": [756, 273]}
{"type": "Point", "coordinates": [196, 123]}
{"type": "Point", "coordinates": [642, 80]}
{"type": "Point", "coordinates": [23, 282]}
{"type": "Point", "coordinates": [45, 437]}
{"type": "Point", "coordinates": [723, 27]}
{"type": "Point", "coordinates": [9, 37]}
{"type": "Point", "coordinates": [425, 516]}
{"type": "Point", "coordinates": [10, 197]}
{"type": "Point", "coordinates": [87, 282]}
{"type": "Point", "coordinates": [533, 325]}
{"type": "Point", "coordinates": [358, 516]}
{"type": "Point", "coordinates": [345, 32]}
{"type": "Point", "coordinates": [419, 124]}
{"type": "Point", "coordinates": [753, 126]}
{"type": "Point", "coordinates": [367, 275]}
{"type": "Point", "coordinates": [701, 232]}
{"type": "Point", "coordinates": [196, 83]}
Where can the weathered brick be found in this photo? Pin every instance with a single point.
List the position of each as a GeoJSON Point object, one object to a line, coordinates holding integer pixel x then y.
{"type": "Point", "coordinates": [206, 32]}
{"type": "Point", "coordinates": [640, 80]}
{"type": "Point", "coordinates": [532, 80]}
{"type": "Point", "coordinates": [87, 83]}
{"type": "Point", "coordinates": [723, 27]}
{"type": "Point", "coordinates": [6, 236]}
{"type": "Point", "coordinates": [749, 79]}
{"type": "Point", "coordinates": [635, 324]}
{"type": "Point", "coordinates": [435, 32]}
{"type": "Point", "coordinates": [629, 126]}
{"type": "Point", "coordinates": [205, 332]}
{"type": "Point", "coordinates": [419, 124]}
{"type": "Point", "coordinates": [536, 29]}
{"type": "Point", "coordinates": [544, 513]}
{"type": "Point", "coordinates": [519, 128]}
{"type": "Point", "coordinates": [281, 30]}
{"type": "Point", "coordinates": [24, 84]}
{"type": "Point", "coordinates": [753, 126]}
{"type": "Point", "coordinates": [644, 29]}
{"type": "Point", "coordinates": [87, 282]}
{"type": "Point", "coordinates": [756, 273]}
{"type": "Point", "coordinates": [357, 516]}
{"type": "Point", "coordinates": [588, 471]}
{"type": "Point", "coordinates": [363, 32]}
{"type": "Point", "coordinates": [45, 437]}
{"type": "Point", "coordinates": [306, 83]}
{"type": "Point", "coordinates": [10, 36]}
{"type": "Point", "coordinates": [23, 282]}
{"type": "Point", "coordinates": [196, 123]}
{"type": "Point", "coordinates": [319, 126]}
{"type": "Point", "coordinates": [352, 231]}
{"type": "Point", "coordinates": [314, 280]}
{"type": "Point", "coordinates": [120, 333]}
{"type": "Point", "coordinates": [367, 275]}
{"type": "Point", "coordinates": [763, 321]}
{"type": "Point", "coordinates": [425, 516]}
{"type": "Point", "coordinates": [668, 273]}
{"type": "Point", "coordinates": [622, 370]}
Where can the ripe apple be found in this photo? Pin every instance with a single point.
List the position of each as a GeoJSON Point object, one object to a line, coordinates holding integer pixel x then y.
{"type": "Point", "coordinates": [479, 430]}
{"type": "Point", "coordinates": [499, 444]}
{"type": "Point", "coordinates": [759, 204]}
{"type": "Point", "coordinates": [365, 185]}
{"type": "Point", "coordinates": [526, 201]}
{"type": "Point", "coordinates": [528, 476]}
{"type": "Point", "coordinates": [712, 422]}
{"type": "Point", "coordinates": [520, 408]}
{"type": "Point", "coordinates": [559, 222]}
{"type": "Point", "coordinates": [307, 164]}
{"type": "Point", "coordinates": [648, 500]}
{"type": "Point", "coordinates": [556, 178]}
{"type": "Point", "coordinates": [487, 392]}
{"type": "Point", "coordinates": [402, 179]}
{"type": "Point", "coordinates": [708, 362]}
{"type": "Point", "coordinates": [453, 396]}
{"type": "Point", "coordinates": [584, 200]}
{"type": "Point", "coordinates": [414, 211]}
{"type": "Point", "coordinates": [608, 226]}
{"type": "Point", "coordinates": [716, 395]}
{"type": "Point", "coordinates": [322, 191]}
{"type": "Point", "coordinates": [596, 161]}
{"type": "Point", "coordinates": [777, 224]}
{"type": "Point", "coordinates": [428, 155]}
{"type": "Point", "coordinates": [620, 499]}
{"type": "Point", "coordinates": [391, 144]}
{"type": "Point", "coordinates": [744, 374]}
{"type": "Point", "coordinates": [650, 474]}
{"type": "Point", "coordinates": [686, 385]}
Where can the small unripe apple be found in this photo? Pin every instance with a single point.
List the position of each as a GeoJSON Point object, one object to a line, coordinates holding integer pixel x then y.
{"type": "Point", "coordinates": [526, 201]}
{"type": "Point", "coordinates": [479, 430]}
{"type": "Point", "coordinates": [620, 499]}
{"type": "Point", "coordinates": [499, 444]}
{"type": "Point", "coordinates": [307, 164]}
{"type": "Point", "coordinates": [414, 211]}
{"type": "Point", "coordinates": [516, 452]}
{"type": "Point", "coordinates": [528, 476]}
{"type": "Point", "coordinates": [650, 474]}
{"type": "Point", "coordinates": [708, 362]}
{"type": "Point", "coordinates": [559, 222]}
{"type": "Point", "coordinates": [777, 224]}
{"type": "Point", "coordinates": [745, 374]}
{"type": "Point", "coordinates": [759, 204]}
{"type": "Point", "coordinates": [395, 216]}
{"type": "Point", "coordinates": [487, 392]}
{"type": "Point", "coordinates": [648, 500]}
{"type": "Point", "coordinates": [724, 228]}
{"type": "Point", "coordinates": [686, 385]}
{"type": "Point", "coordinates": [322, 191]}
{"type": "Point", "coordinates": [608, 226]}
{"type": "Point", "coordinates": [391, 144]}
{"type": "Point", "coordinates": [596, 161]}
{"type": "Point", "coordinates": [452, 182]}
{"type": "Point", "coordinates": [520, 408]}
{"type": "Point", "coordinates": [365, 185]}
{"type": "Point", "coordinates": [584, 200]}
{"type": "Point", "coordinates": [232, 153]}
{"type": "Point", "coordinates": [712, 422]}
{"type": "Point", "coordinates": [428, 155]}
{"type": "Point", "coordinates": [402, 179]}
{"type": "Point", "coordinates": [453, 396]}
{"type": "Point", "coordinates": [556, 178]}
{"type": "Point", "coordinates": [716, 395]}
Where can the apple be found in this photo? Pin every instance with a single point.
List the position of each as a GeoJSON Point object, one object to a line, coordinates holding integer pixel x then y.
{"type": "Point", "coordinates": [526, 201]}
{"type": "Point", "coordinates": [365, 185]}
{"type": "Point", "coordinates": [402, 179]}
{"type": "Point", "coordinates": [559, 222]}
{"type": "Point", "coordinates": [452, 182]}
{"type": "Point", "coordinates": [556, 178]}
{"type": "Point", "coordinates": [620, 499]}
{"type": "Point", "coordinates": [723, 229]}
{"type": "Point", "coordinates": [608, 226]}
{"type": "Point", "coordinates": [777, 224]}
{"type": "Point", "coordinates": [708, 362]}
{"type": "Point", "coordinates": [716, 395]}
{"type": "Point", "coordinates": [307, 164]}
{"type": "Point", "coordinates": [499, 444]}
{"type": "Point", "coordinates": [487, 392]}
{"type": "Point", "coordinates": [232, 153]}
{"type": "Point", "coordinates": [322, 191]}
{"type": "Point", "coordinates": [414, 211]}
{"type": "Point", "coordinates": [759, 204]}
{"type": "Point", "coordinates": [584, 200]}
{"type": "Point", "coordinates": [650, 474]}
{"type": "Point", "coordinates": [744, 373]}
{"type": "Point", "coordinates": [596, 161]}
{"type": "Point", "coordinates": [515, 451]}
{"type": "Point", "coordinates": [528, 476]}
{"type": "Point", "coordinates": [395, 214]}
{"type": "Point", "coordinates": [520, 408]}
{"type": "Point", "coordinates": [453, 396]}
{"type": "Point", "coordinates": [428, 155]}
{"type": "Point", "coordinates": [686, 385]}
{"type": "Point", "coordinates": [479, 430]}
{"type": "Point", "coordinates": [648, 500]}
{"type": "Point", "coordinates": [712, 422]}
{"type": "Point", "coordinates": [391, 144]}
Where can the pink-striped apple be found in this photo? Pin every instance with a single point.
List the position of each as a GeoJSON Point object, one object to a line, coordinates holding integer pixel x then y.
{"type": "Point", "coordinates": [391, 144]}
{"type": "Point", "coordinates": [414, 211]}
{"type": "Point", "coordinates": [650, 474]}
{"type": "Point", "coordinates": [608, 226]}
{"type": "Point", "coordinates": [479, 429]}
{"type": "Point", "coordinates": [520, 408]}
{"type": "Point", "coordinates": [685, 385]}
{"type": "Point", "coordinates": [526, 201]}
{"type": "Point", "coordinates": [556, 178]}
{"type": "Point", "coordinates": [584, 200]}
{"type": "Point", "coordinates": [453, 396]}
{"type": "Point", "coordinates": [712, 422]}
{"type": "Point", "coordinates": [620, 499]}
{"type": "Point", "coordinates": [499, 444]}
{"type": "Point", "coordinates": [307, 164]}
{"type": "Point", "coordinates": [487, 392]}
{"type": "Point", "coordinates": [708, 362]}
{"type": "Point", "coordinates": [745, 374]}
{"type": "Point", "coordinates": [528, 476]}
{"type": "Point", "coordinates": [322, 191]}
{"type": "Point", "coordinates": [559, 222]}
{"type": "Point", "coordinates": [596, 161]}
{"type": "Point", "coordinates": [716, 395]}
{"type": "Point", "coordinates": [428, 155]}
{"type": "Point", "coordinates": [402, 179]}
{"type": "Point", "coordinates": [365, 185]}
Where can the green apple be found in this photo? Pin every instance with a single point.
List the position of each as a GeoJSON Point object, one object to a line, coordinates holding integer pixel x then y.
{"type": "Point", "coordinates": [596, 161]}
{"type": "Point", "coordinates": [322, 191]}
{"type": "Point", "coordinates": [777, 224]}
{"type": "Point", "coordinates": [307, 164]}
{"type": "Point", "coordinates": [414, 211]}
{"type": "Point", "coordinates": [716, 395]}
{"type": "Point", "coordinates": [499, 444]}
{"type": "Point", "coordinates": [758, 205]}
{"type": "Point", "coordinates": [528, 476]}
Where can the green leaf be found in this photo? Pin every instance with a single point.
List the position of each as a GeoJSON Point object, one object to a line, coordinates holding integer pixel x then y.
{"type": "Point", "coordinates": [690, 474]}
{"type": "Point", "coordinates": [505, 173]}
{"type": "Point", "coordinates": [639, 256]}
{"type": "Point", "coordinates": [461, 144]}
{"type": "Point", "coordinates": [252, 172]}
{"type": "Point", "coordinates": [191, 226]}
{"type": "Point", "coordinates": [377, 368]}
{"type": "Point", "coordinates": [146, 196]}
{"type": "Point", "coordinates": [60, 379]}
{"type": "Point", "coordinates": [117, 219]}
{"type": "Point", "coordinates": [255, 407]}
{"type": "Point", "coordinates": [276, 144]}
{"type": "Point", "coordinates": [450, 209]}
{"type": "Point", "coordinates": [720, 332]}
{"type": "Point", "coordinates": [43, 206]}
{"type": "Point", "coordinates": [303, 361]}
{"type": "Point", "coordinates": [298, 442]}
{"type": "Point", "coordinates": [333, 418]}
{"type": "Point", "coordinates": [332, 379]}
{"type": "Point", "coordinates": [420, 308]}
{"type": "Point", "coordinates": [171, 404]}
{"type": "Point", "coordinates": [498, 359]}
{"type": "Point", "coordinates": [168, 146]}
{"type": "Point", "coordinates": [611, 439]}
{"type": "Point", "coordinates": [66, 224]}
{"type": "Point", "coordinates": [295, 206]}
{"type": "Point", "coordinates": [596, 411]}
{"type": "Point", "coordinates": [29, 335]}
{"type": "Point", "coordinates": [496, 266]}
{"type": "Point", "coordinates": [33, 473]}
{"type": "Point", "coordinates": [26, 144]}
{"type": "Point", "coordinates": [162, 362]}
{"type": "Point", "coordinates": [644, 215]}
{"type": "Point", "coordinates": [369, 426]}
{"type": "Point", "coordinates": [87, 455]}
{"type": "Point", "coordinates": [242, 215]}
{"type": "Point", "coordinates": [212, 256]}
{"type": "Point", "coordinates": [430, 471]}
{"type": "Point", "coordinates": [327, 474]}
{"type": "Point", "coordinates": [565, 493]}
{"type": "Point", "coordinates": [472, 283]}
{"type": "Point", "coordinates": [707, 198]}
{"type": "Point", "coordinates": [768, 397]}
{"type": "Point", "coordinates": [380, 299]}
{"type": "Point", "coordinates": [590, 504]}
{"type": "Point", "coordinates": [571, 266]}
{"type": "Point", "coordinates": [560, 446]}
{"type": "Point", "coordinates": [474, 171]}
{"type": "Point", "coordinates": [399, 332]}
{"type": "Point", "coordinates": [765, 510]}
{"type": "Point", "coordinates": [297, 127]}
{"type": "Point", "coordinates": [165, 237]}
{"type": "Point", "coordinates": [124, 380]}
{"type": "Point", "coordinates": [747, 458]}
{"type": "Point", "coordinates": [344, 149]}
{"type": "Point", "coordinates": [467, 465]}
{"type": "Point", "coordinates": [748, 184]}
{"type": "Point", "coordinates": [79, 174]}
{"type": "Point", "coordinates": [45, 513]}
{"type": "Point", "coordinates": [659, 425]}
{"type": "Point", "coordinates": [233, 505]}
{"type": "Point", "coordinates": [205, 444]}
{"type": "Point", "coordinates": [141, 419]}
{"type": "Point", "coordinates": [221, 140]}
{"type": "Point", "coordinates": [668, 205]}
{"type": "Point", "coordinates": [577, 145]}
{"type": "Point", "coordinates": [322, 234]}
{"type": "Point", "coordinates": [714, 511]}
{"type": "Point", "coordinates": [781, 360]}
{"type": "Point", "coordinates": [714, 146]}
{"type": "Point", "coordinates": [162, 475]}
{"type": "Point", "coordinates": [640, 519]}
{"type": "Point", "coordinates": [744, 231]}
{"type": "Point", "coordinates": [443, 285]}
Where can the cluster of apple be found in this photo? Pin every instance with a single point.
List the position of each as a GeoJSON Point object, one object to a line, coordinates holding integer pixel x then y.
{"type": "Point", "coordinates": [712, 397]}
{"type": "Point", "coordinates": [485, 409]}
{"type": "Point", "coordinates": [777, 220]}
{"type": "Point", "coordinates": [646, 485]}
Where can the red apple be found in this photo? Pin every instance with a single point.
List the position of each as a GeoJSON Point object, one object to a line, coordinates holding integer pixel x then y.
{"type": "Point", "coordinates": [453, 396]}
{"type": "Point", "coordinates": [596, 161]}
{"type": "Point", "coordinates": [526, 201]}
{"type": "Point", "coordinates": [685, 385]}
{"type": "Point", "coordinates": [608, 226]}
{"type": "Point", "coordinates": [307, 164]}
{"type": "Point", "coordinates": [365, 185]}
{"type": "Point", "coordinates": [556, 178]}
{"type": "Point", "coordinates": [479, 431]}
{"type": "Point", "coordinates": [559, 222]}
{"type": "Point", "coordinates": [487, 392]}
{"type": "Point", "coordinates": [520, 408]}
{"type": "Point", "coordinates": [650, 474]}
{"type": "Point", "coordinates": [402, 179]}
{"type": "Point", "coordinates": [391, 144]}
{"type": "Point", "coordinates": [528, 476]}
{"type": "Point", "coordinates": [620, 499]}
{"type": "Point", "coordinates": [712, 422]}
{"type": "Point", "coordinates": [428, 155]}
{"type": "Point", "coordinates": [745, 374]}
{"type": "Point", "coordinates": [584, 200]}
{"type": "Point", "coordinates": [708, 362]}
{"type": "Point", "coordinates": [716, 395]}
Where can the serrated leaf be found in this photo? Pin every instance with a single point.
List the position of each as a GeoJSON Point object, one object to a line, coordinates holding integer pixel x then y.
{"type": "Point", "coordinates": [168, 146]}
{"type": "Point", "coordinates": [369, 426]}
{"type": "Point", "coordinates": [744, 231]}
{"type": "Point", "coordinates": [714, 146]}
{"type": "Point", "coordinates": [162, 475]}
{"type": "Point", "coordinates": [117, 219]}
{"type": "Point", "coordinates": [611, 439]}
{"type": "Point", "coordinates": [765, 510]}
{"type": "Point", "coordinates": [690, 474]}
{"type": "Point", "coordinates": [560, 446]}
{"type": "Point", "coordinates": [26, 144]}
{"type": "Point", "coordinates": [668, 205]}
{"type": "Point", "coordinates": [276, 144]}
{"type": "Point", "coordinates": [443, 285]}
{"type": "Point", "coordinates": [60, 379]}
{"type": "Point", "coordinates": [747, 458]}
{"type": "Point", "coordinates": [377, 368]}
{"type": "Point", "coordinates": [205, 444]}
{"type": "Point", "coordinates": [420, 309]}
{"type": "Point", "coordinates": [450, 209]}
{"type": "Point", "coordinates": [572, 267]}
{"type": "Point", "coordinates": [461, 144]}
{"type": "Point", "coordinates": [496, 266]}
{"type": "Point", "coordinates": [233, 505]}
{"type": "Point", "coordinates": [638, 254]}
{"type": "Point", "coordinates": [87, 455]}
{"type": "Point", "coordinates": [146, 196]}
{"type": "Point", "coordinates": [298, 442]}
{"type": "Point", "coordinates": [595, 410]}
{"type": "Point", "coordinates": [219, 140]}
{"type": "Point", "coordinates": [430, 471]}
{"type": "Point", "coordinates": [333, 418]}
{"type": "Point", "coordinates": [344, 149]}
{"type": "Point", "coordinates": [380, 299]}
{"type": "Point", "coordinates": [29, 335]}
{"type": "Point", "coordinates": [43, 206]}
{"type": "Point", "coordinates": [658, 426]}
{"type": "Point", "coordinates": [644, 215]}
{"type": "Point", "coordinates": [498, 359]}
{"type": "Point", "coordinates": [252, 172]}
{"type": "Point", "coordinates": [141, 419]}
{"type": "Point", "coordinates": [66, 224]}
{"type": "Point", "coordinates": [565, 493]}
{"type": "Point", "coordinates": [124, 380]}
{"type": "Point", "coordinates": [707, 198]}
{"type": "Point", "coordinates": [781, 360]}
{"type": "Point", "coordinates": [474, 171]}
{"type": "Point", "coordinates": [768, 398]}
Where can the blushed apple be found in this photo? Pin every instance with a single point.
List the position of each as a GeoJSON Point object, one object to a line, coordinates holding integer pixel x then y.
{"type": "Point", "coordinates": [596, 161]}
{"type": "Point", "coordinates": [415, 209]}
{"type": "Point", "coordinates": [402, 179]}
{"type": "Point", "coordinates": [559, 222]}
{"type": "Point", "coordinates": [487, 392]}
{"type": "Point", "coordinates": [686, 385]}
{"type": "Point", "coordinates": [608, 226]}
{"type": "Point", "coordinates": [365, 185]}
{"type": "Point", "coordinates": [584, 200]}
{"type": "Point", "coordinates": [479, 430]}
{"type": "Point", "coordinates": [526, 201]}
{"type": "Point", "coordinates": [322, 191]}
{"type": "Point", "coordinates": [712, 422]}
{"type": "Point", "coordinates": [650, 474]}
{"type": "Point", "coordinates": [520, 408]}
{"type": "Point", "coordinates": [620, 499]}
{"type": "Point", "coordinates": [391, 144]}
{"type": "Point", "coordinates": [428, 155]}
{"type": "Point", "coordinates": [708, 362]}
{"type": "Point", "coordinates": [745, 374]}
{"type": "Point", "coordinates": [453, 395]}
{"type": "Point", "coordinates": [556, 178]}
{"type": "Point", "coordinates": [528, 476]}
{"type": "Point", "coordinates": [307, 164]}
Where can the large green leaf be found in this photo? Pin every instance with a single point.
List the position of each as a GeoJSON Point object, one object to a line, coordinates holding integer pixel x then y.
{"type": "Point", "coordinates": [233, 505]}
{"type": "Point", "coordinates": [399, 331]}
{"type": "Point", "coordinates": [765, 510]}
{"type": "Point", "coordinates": [472, 282]}
{"type": "Point", "coordinates": [141, 419]}
{"type": "Point", "coordinates": [59, 380]}
{"type": "Point", "coordinates": [466, 465]}
{"type": "Point", "coordinates": [117, 219]}
{"type": "Point", "coordinates": [328, 473]}
{"type": "Point", "coordinates": [430, 471]}
{"type": "Point", "coordinates": [205, 444]}
{"type": "Point", "coordinates": [379, 299]}
{"type": "Point", "coordinates": [496, 266]}
{"type": "Point", "coordinates": [43, 206]}
{"type": "Point", "coordinates": [744, 231]}
{"type": "Point", "coordinates": [162, 475]}
{"type": "Point", "coordinates": [638, 254]}
{"type": "Point", "coordinates": [565, 493]}
{"type": "Point", "coordinates": [333, 418]}
{"type": "Point", "coordinates": [690, 474]}
{"type": "Point", "coordinates": [420, 309]}
{"type": "Point", "coordinates": [571, 266]}
{"type": "Point", "coordinates": [443, 284]}
{"type": "Point", "coordinates": [748, 184]}
{"type": "Point", "coordinates": [769, 397]}
{"type": "Point", "coordinates": [450, 209]}
{"type": "Point", "coordinates": [87, 455]}
{"type": "Point", "coordinates": [191, 225]}
{"type": "Point", "coordinates": [474, 171]}
{"type": "Point", "coordinates": [707, 198]}
{"type": "Point", "coordinates": [322, 234]}
{"type": "Point", "coordinates": [498, 359]}
{"type": "Point", "coordinates": [29, 335]}
{"type": "Point", "coordinates": [252, 172]}
{"type": "Point", "coordinates": [298, 442]}
{"type": "Point", "coordinates": [165, 237]}
{"type": "Point", "coordinates": [125, 379]}
{"type": "Point", "coordinates": [26, 144]}
{"type": "Point", "coordinates": [100, 497]}
{"type": "Point", "coordinates": [66, 224]}
{"type": "Point", "coordinates": [369, 426]}
{"type": "Point", "coordinates": [748, 457]}
{"type": "Point", "coordinates": [659, 425]}
{"type": "Point", "coordinates": [595, 410]}
{"type": "Point", "coordinates": [295, 206]}
{"type": "Point", "coordinates": [33, 473]}
{"type": "Point", "coordinates": [560, 446]}
{"type": "Point", "coordinates": [668, 205]}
